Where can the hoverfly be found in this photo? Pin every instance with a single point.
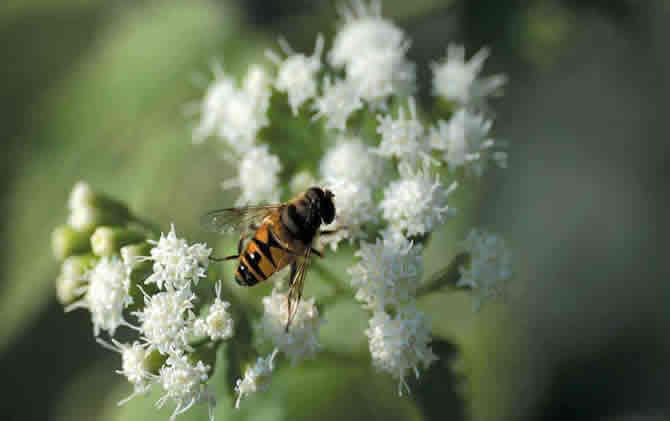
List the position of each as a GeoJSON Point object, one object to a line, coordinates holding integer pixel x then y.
{"type": "Point", "coordinates": [281, 235]}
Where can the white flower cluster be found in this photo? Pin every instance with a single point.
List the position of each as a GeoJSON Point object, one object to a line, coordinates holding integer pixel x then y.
{"type": "Point", "coordinates": [352, 171]}
{"type": "Point", "coordinates": [234, 114]}
{"type": "Point", "coordinates": [464, 140]}
{"type": "Point", "coordinates": [166, 321]}
{"type": "Point", "coordinates": [399, 344]}
{"type": "Point", "coordinates": [176, 263]}
{"type": "Point", "coordinates": [299, 342]}
{"type": "Point", "coordinates": [490, 266]}
{"type": "Point", "coordinates": [386, 166]}
{"type": "Point", "coordinates": [388, 273]}
{"type": "Point", "coordinates": [105, 295]}
{"type": "Point", "coordinates": [296, 75]}
{"type": "Point", "coordinates": [255, 377]}
{"type": "Point", "coordinates": [372, 52]}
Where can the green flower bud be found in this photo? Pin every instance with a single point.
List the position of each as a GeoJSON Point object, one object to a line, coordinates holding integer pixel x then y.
{"type": "Point", "coordinates": [89, 209]}
{"type": "Point", "coordinates": [86, 218]}
{"type": "Point", "coordinates": [106, 241]}
{"type": "Point", "coordinates": [66, 241]}
{"type": "Point", "coordinates": [140, 270]}
{"type": "Point", "coordinates": [72, 277]}
{"type": "Point", "coordinates": [82, 196]}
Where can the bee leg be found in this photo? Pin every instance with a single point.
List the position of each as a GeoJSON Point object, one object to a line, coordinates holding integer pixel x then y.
{"type": "Point", "coordinates": [223, 259]}
{"type": "Point", "coordinates": [239, 244]}
{"type": "Point", "coordinates": [291, 278]}
{"type": "Point", "coordinates": [317, 252]}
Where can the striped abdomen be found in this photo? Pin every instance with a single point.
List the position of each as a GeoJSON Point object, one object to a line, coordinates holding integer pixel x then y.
{"type": "Point", "coordinates": [262, 257]}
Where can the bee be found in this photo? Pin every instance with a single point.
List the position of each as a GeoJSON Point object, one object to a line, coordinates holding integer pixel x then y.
{"type": "Point", "coordinates": [280, 235]}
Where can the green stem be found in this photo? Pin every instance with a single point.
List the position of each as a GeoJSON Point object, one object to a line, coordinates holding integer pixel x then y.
{"type": "Point", "coordinates": [447, 278]}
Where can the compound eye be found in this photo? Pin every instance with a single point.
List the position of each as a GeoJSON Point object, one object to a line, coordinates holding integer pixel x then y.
{"type": "Point", "coordinates": [327, 211]}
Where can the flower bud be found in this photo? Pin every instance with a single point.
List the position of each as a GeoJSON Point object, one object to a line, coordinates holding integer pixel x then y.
{"type": "Point", "coordinates": [66, 241]}
{"type": "Point", "coordinates": [72, 277]}
{"type": "Point", "coordinates": [140, 269]}
{"type": "Point", "coordinates": [82, 196]}
{"type": "Point", "coordinates": [89, 209]}
{"type": "Point", "coordinates": [106, 241]}
{"type": "Point", "coordinates": [86, 218]}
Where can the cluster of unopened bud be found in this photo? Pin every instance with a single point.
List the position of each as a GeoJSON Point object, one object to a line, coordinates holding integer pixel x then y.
{"type": "Point", "coordinates": [97, 226]}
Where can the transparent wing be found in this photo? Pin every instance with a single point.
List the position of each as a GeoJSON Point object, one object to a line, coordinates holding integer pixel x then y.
{"type": "Point", "coordinates": [296, 285]}
{"type": "Point", "coordinates": [235, 219]}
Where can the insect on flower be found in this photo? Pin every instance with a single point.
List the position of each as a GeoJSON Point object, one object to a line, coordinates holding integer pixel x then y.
{"type": "Point", "coordinates": [281, 235]}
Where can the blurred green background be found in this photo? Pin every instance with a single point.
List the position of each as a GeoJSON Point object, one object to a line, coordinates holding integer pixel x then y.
{"type": "Point", "coordinates": [95, 90]}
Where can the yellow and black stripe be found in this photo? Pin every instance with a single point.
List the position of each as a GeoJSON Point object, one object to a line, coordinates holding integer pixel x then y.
{"type": "Point", "coordinates": [262, 257]}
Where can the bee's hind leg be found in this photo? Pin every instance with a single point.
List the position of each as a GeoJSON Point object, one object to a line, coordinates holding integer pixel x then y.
{"type": "Point", "coordinates": [317, 252]}
{"type": "Point", "coordinates": [223, 259]}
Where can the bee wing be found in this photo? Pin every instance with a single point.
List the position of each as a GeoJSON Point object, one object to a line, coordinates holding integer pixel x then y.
{"type": "Point", "coordinates": [235, 219]}
{"type": "Point", "coordinates": [295, 286]}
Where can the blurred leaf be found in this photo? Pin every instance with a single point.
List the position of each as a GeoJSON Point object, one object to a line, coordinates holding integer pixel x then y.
{"type": "Point", "coordinates": [88, 395]}
{"type": "Point", "coordinates": [330, 389]}
{"type": "Point", "coordinates": [344, 329]}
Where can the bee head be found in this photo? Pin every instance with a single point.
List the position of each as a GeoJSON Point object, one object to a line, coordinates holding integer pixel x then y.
{"type": "Point", "coordinates": [323, 201]}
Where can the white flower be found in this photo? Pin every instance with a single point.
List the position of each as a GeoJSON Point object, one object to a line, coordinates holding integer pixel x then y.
{"type": "Point", "coordinates": [134, 365]}
{"type": "Point", "coordinates": [379, 74]}
{"type": "Point", "coordinates": [400, 344]}
{"type": "Point", "coordinates": [389, 271]}
{"type": "Point", "coordinates": [465, 140]}
{"type": "Point", "coordinates": [218, 324]}
{"type": "Point", "coordinates": [297, 74]}
{"type": "Point", "coordinates": [185, 383]}
{"type": "Point", "coordinates": [176, 263]}
{"type": "Point", "coordinates": [106, 295]}
{"type": "Point", "coordinates": [301, 340]}
{"type": "Point", "coordinates": [81, 196]}
{"type": "Point", "coordinates": [236, 115]}
{"type": "Point", "coordinates": [416, 203]}
{"type": "Point", "coordinates": [490, 266]}
{"type": "Point", "coordinates": [457, 80]}
{"type": "Point", "coordinates": [354, 206]}
{"type": "Point", "coordinates": [337, 103]}
{"type": "Point", "coordinates": [403, 137]}
{"type": "Point", "coordinates": [84, 218]}
{"type": "Point", "coordinates": [349, 159]}
{"type": "Point", "coordinates": [372, 51]}
{"type": "Point", "coordinates": [255, 377]}
{"type": "Point", "coordinates": [166, 320]}
{"type": "Point", "coordinates": [258, 177]}
{"type": "Point", "coordinates": [351, 171]}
